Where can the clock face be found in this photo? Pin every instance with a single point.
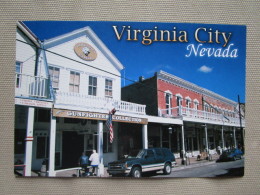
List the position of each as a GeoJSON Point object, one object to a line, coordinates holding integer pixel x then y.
{"type": "Point", "coordinates": [85, 51]}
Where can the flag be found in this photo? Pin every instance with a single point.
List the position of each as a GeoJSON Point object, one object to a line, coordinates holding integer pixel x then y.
{"type": "Point", "coordinates": [110, 125]}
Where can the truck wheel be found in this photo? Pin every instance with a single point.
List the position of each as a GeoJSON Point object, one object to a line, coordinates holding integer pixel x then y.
{"type": "Point", "coordinates": [167, 169]}
{"type": "Point", "coordinates": [136, 172]}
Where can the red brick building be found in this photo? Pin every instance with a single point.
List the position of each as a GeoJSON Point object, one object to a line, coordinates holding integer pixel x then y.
{"type": "Point", "coordinates": [209, 119]}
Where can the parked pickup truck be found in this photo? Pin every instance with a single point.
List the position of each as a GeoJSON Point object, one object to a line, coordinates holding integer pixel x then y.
{"type": "Point", "coordinates": [152, 159]}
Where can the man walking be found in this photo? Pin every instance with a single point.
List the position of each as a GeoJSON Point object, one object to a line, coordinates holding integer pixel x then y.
{"type": "Point", "coordinates": [83, 162]}
{"type": "Point", "coordinates": [94, 158]}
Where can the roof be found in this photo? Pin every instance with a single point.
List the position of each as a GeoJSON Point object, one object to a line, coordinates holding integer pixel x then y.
{"type": "Point", "coordinates": [28, 33]}
{"type": "Point", "coordinates": [92, 35]}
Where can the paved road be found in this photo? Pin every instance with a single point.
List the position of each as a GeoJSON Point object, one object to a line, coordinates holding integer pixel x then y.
{"type": "Point", "coordinates": [221, 169]}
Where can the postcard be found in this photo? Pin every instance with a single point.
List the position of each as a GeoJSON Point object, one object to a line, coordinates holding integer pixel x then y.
{"type": "Point", "coordinates": [129, 99]}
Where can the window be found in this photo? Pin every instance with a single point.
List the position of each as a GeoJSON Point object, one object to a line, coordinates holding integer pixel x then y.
{"type": "Point", "coordinates": [179, 101]}
{"type": "Point", "coordinates": [206, 107]}
{"type": "Point", "coordinates": [188, 102]}
{"type": "Point", "coordinates": [107, 146]}
{"type": "Point", "coordinates": [196, 105]}
{"type": "Point", "coordinates": [150, 154]}
{"type": "Point", "coordinates": [42, 115]}
{"type": "Point", "coordinates": [168, 103]}
{"type": "Point", "coordinates": [92, 86]}
{"type": "Point", "coordinates": [108, 88]}
{"type": "Point", "coordinates": [74, 82]}
{"type": "Point", "coordinates": [72, 120]}
{"type": "Point", "coordinates": [179, 104]}
{"type": "Point", "coordinates": [18, 71]}
{"type": "Point", "coordinates": [54, 76]}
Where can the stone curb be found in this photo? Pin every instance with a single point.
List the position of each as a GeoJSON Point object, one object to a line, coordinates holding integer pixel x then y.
{"type": "Point", "coordinates": [181, 167]}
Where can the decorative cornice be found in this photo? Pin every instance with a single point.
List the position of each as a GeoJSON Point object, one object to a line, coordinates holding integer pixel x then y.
{"type": "Point", "coordinates": [193, 87]}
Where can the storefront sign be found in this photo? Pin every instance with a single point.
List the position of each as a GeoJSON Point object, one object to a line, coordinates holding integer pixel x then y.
{"type": "Point", "coordinates": [35, 103]}
{"type": "Point", "coordinates": [97, 116]}
{"type": "Point", "coordinates": [85, 51]}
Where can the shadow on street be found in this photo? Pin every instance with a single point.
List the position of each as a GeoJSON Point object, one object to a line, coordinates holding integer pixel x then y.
{"type": "Point", "coordinates": [234, 172]}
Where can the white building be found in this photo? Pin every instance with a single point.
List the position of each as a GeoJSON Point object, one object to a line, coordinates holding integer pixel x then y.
{"type": "Point", "coordinates": [65, 88]}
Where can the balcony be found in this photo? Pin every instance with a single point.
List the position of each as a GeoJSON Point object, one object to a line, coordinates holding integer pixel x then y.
{"type": "Point", "coordinates": [190, 114]}
{"type": "Point", "coordinates": [69, 100]}
{"type": "Point", "coordinates": [31, 86]}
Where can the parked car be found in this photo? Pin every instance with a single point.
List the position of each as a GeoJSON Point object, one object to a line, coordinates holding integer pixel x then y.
{"type": "Point", "coordinates": [147, 160]}
{"type": "Point", "coordinates": [233, 154]}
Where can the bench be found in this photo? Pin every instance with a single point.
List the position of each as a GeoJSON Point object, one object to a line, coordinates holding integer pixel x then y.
{"type": "Point", "coordinates": [202, 156]}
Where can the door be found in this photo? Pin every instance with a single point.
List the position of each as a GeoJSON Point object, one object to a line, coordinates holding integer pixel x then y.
{"type": "Point", "coordinates": [72, 148]}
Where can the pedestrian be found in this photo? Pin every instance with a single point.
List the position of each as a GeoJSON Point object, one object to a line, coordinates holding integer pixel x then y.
{"type": "Point", "coordinates": [219, 150]}
{"type": "Point", "coordinates": [94, 158]}
{"type": "Point", "coordinates": [83, 162]}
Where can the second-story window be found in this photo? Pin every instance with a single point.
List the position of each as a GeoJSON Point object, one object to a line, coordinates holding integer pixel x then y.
{"type": "Point", "coordinates": [74, 81]}
{"type": "Point", "coordinates": [196, 105]}
{"type": "Point", "coordinates": [188, 102]}
{"type": "Point", "coordinates": [108, 88]}
{"type": "Point", "coordinates": [179, 101]}
{"type": "Point", "coordinates": [92, 85]}
{"type": "Point", "coordinates": [168, 103]}
{"type": "Point", "coordinates": [18, 71]}
{"type": "Point", "coordinates": [54, 76]}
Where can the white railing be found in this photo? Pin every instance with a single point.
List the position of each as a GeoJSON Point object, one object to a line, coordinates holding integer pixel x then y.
{"type": "Point", "coordinates": [31, 86]}
{"type": "Point", "coordinates": [94, 102]}
{"type": "Point", "coordinates": [197, 114]}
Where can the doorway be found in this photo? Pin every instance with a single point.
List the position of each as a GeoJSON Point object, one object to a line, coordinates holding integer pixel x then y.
{"type": "Point", "coordinates": [72, 148]}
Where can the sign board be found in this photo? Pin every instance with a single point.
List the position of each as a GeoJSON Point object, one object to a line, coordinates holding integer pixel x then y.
{"type": "Point", "coordinates": [97, 116]}
{"type": "Point", "coordinates": [34, 103]}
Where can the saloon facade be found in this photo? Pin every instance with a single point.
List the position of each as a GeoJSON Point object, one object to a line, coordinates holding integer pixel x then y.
{"type": "Point", "coordinates": [66, 86]}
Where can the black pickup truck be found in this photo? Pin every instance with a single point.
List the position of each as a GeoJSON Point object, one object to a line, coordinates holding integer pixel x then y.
{"type": "Point", "coordinates": [152, 159]}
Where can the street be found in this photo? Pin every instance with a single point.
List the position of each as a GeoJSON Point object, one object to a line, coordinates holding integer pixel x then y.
{"type": "Point", "coordinates": [220, 169]}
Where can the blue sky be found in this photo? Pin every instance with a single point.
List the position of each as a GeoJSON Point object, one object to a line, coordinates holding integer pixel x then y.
{"type": "Point", "coordinates": [222, 75]}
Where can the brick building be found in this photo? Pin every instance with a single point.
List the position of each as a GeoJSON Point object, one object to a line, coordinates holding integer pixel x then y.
{"type": "Point", "coordinates": [209, 119]}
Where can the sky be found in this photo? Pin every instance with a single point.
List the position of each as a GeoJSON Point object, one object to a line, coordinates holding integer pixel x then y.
{"type": "Point", "coordinates": [189, 54]}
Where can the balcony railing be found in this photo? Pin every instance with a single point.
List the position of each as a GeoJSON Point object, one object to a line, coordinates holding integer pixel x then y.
{"type": "Point", "coordinates": [31, 86]}
{"type": "Point", "coordinates": [198, 114]}
{"type": "Point", "coordinates": [99, 103]}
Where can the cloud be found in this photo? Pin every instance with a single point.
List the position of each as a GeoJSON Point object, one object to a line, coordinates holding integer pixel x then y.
{"type": "Point", "coordinates": [205, 69]}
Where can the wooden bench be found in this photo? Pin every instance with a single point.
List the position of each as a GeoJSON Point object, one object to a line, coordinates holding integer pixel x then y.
{"type": "Point", "coordinates": [202, 156]}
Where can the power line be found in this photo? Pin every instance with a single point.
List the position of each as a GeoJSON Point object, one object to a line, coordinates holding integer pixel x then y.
{"type": "Point", "coordinates": [122, 77]}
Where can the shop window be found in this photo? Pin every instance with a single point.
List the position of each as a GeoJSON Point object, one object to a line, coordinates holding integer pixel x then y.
{"type": "Point", "coordinates": [42, 148]}
{"type": "Point", "coordinates": [54, 76]}
{"type": "Point", "coordinates": [107, 146]}
{"type": "Point", "coordinates": [18, 71]}
{"type": "Point", "coordinates": [74, 82]}
{"type": "Point", "coordinates": [72, 120]}
{"type": "Point", "coordinates": [42, 115]}
{"type": "Point", "coordinates": [108, 88]}
{"type": "Point", "coordinates": [92, 86]}
{"type": "Point", "coordinates": [168, 103]}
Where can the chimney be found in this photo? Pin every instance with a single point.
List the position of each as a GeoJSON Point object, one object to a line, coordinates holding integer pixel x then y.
{"type": "Point", "coordinates": [141, 79]}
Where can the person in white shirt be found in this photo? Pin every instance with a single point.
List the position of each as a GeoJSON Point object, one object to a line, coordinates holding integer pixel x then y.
{"type": "Point", "coordinates": [94, 158]}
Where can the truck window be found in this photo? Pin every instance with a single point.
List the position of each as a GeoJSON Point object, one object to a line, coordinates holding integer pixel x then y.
{"type": "Point", "coordinates": [150, 153]}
